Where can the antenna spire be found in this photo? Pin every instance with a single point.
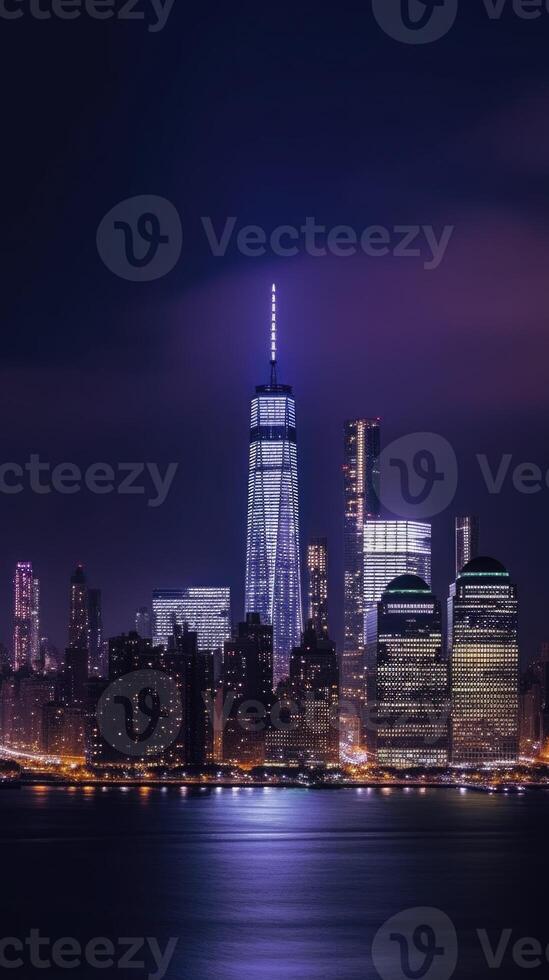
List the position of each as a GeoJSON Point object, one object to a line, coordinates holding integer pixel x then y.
{"type": "Point", "coordinates": [273, 335]}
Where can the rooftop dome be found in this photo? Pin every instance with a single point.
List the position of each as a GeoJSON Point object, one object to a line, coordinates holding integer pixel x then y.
{"type": "Point", "coordinates": [408, 583]}
{"type": "Point", "coordinates": [484, 568]}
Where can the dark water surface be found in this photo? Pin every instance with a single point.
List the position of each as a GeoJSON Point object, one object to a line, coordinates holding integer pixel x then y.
{"type": "Point", "coordinates": [272, 883]}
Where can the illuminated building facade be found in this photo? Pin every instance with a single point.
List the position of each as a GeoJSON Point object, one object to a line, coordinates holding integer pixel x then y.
{"type": "Point", "coordinates": [78, 611]}
{"type": "Point", "coordinates": [393, 548]}
{"type": "Point", "coordinates": [482, 623]}
{"type": "Point", "coordinates": [467, 530]}
{"type": "Point", "coordinates": [167, 607]}
{"type": "Point", "coordinates": [317, 569]}
{"type": "Point", "coordinates": [25, 615]}
{"type": "Point", "coordinates": [273, 575]}
{"type": "Point", "coordinates": [408, 682]}
{"type": "Point", "coordinates": [207, 612]}
{"type": "Point", "coordinates": [361, 503]}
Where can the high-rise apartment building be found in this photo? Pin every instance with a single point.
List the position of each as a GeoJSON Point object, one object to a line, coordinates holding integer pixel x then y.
{"type": "Point", "coordinates": [78, 610]}
{"type": "Point", "coordinates": [273, 575]}
{"type": "Point", "coordinates": [467, 537]}
{"type": "Point", "coordinates": [317, 570]}
{"type": "Point", "coordinates": [96, 665]}
{"type": "Point", "coordinates": [483, 628]}
{"type": "Point", "coordinates": [26, 616]}
{"type": "Point", "coordinates": [408, 683]}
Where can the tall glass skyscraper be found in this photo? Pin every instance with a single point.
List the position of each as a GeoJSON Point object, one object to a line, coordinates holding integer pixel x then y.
{"type": "Point", "coordinates": [205, 610]}
{"type": "Point", "coordinates": [484, 664]}
{"type": "Point", "coordinates": [273, 572]}
{"type": "Point", "coordinates": [361, 503]}
{"type": "Point", "coordinates": [317, 570]}
{"type": "Point", "coordinates": [78, 611]}
{"type": "Point", "coordinates": [393, 548]}
{"type": "Point", "coordinates": [467, 540]}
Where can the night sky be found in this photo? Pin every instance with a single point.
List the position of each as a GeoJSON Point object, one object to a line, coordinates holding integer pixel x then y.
{"type": "Point", "coordinates": [270, 113]}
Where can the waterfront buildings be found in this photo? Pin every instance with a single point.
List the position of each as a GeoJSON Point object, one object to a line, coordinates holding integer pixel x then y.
{"type": "Point", "coordinates": [483, 645]}
{"type": "Point", "coordinates": [408, 680]}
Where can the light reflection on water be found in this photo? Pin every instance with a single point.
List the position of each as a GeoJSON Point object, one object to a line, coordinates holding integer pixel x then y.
{"type": "Point", "coordinates": [278, 882]}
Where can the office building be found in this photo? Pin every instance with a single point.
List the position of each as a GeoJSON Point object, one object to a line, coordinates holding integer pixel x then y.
{"type": "Point", "coordinates": [408, 681]}
{"type": "Point", "coordinates": [317, 570]}
{"type": "Point", "coordinates": [247, 691]}
{"type": "Point", "coordinates": [483, 644]}
{"type": "Point", "coordinates": [467, 537]}
{"type": "Point", "coordinates": [273, 576]}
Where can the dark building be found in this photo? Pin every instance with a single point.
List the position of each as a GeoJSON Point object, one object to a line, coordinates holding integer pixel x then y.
{"type": "Point", "coordinates": [63, 730]}
{"type": "Point", "coordinates": [317, 570]}
{"type": "Point", "coordinates": [96, 666]}
{"type": "Point", "coordinates": [467, 530]}
{"type": "Point", "coordinates": [78, 610]}
{"type": "Point", "coordinates": [534, 707]}
{"type": "Point", "coordinates": [408, 720]}
{"type": "Point", "coordinates": [75, 676]}
{"type": "Point", "coordinates": [305, 725]}
{"type": "Point", "coordinates": [193, 672]}
{"type": "Point", "coordinates": [361, 503]}
{"type": "Point", "coordinates": [247, 692]}
{"type": "Point", "coordinates": [143, 622]}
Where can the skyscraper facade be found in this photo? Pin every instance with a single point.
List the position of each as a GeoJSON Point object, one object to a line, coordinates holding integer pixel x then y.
{"type": "Point", "coordinates": [167, 606]}
{"type": "Point", "coordinates": [467, 531]}
{"type": "Point", "coordinates": [408, 681]}
{"type": "Point", "coordinates": [24, 612]}
{"type": "Point", "coordinates": [361, 503]}
{"type": "Point", "coordinates": [317, 571]}
{"type": "Point", "coordinates": [247, 680]}
{"type": "Point", "coordinates": [96, 665]}
{"type": "Point", "coordinates": [483, 623]}
{"type": "Point", "coordinates": [78, 610]}
{"type": "Point", "coordinates": [393, 548]}
{"type": "Point", "coordinates": [273, 572]}
{"type": "Point", "coordinates": [35, 625]}
{"type": "Point", "coordinates": [207, 612]}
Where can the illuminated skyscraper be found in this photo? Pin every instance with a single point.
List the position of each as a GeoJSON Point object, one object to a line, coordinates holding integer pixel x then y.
{"type": "Point", "coordinates": [35, 625]}
{"type": "Point", "coordinates": [482, 623]}
{"type": "Point", "coordinates": [78, 612]}
{"type": "Point", "coordinates": [317, 568]}
{"type": "Point", "coordinates": [361, 503]}
{"type": "Point", "coordinates": [207, 612]}
{"type": "Point", "coordinates": [273, 576]}
{"type": "Point", "coordinates": [393, 548]}
{"type": "Point", "coordinates": [408, 682]}
{"type": "Point", "coordinates": [167, 606]}
{"type": "Point", "coordinates": [467, 540]}
{"type": "Point", "coordinates": [26, 613]}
